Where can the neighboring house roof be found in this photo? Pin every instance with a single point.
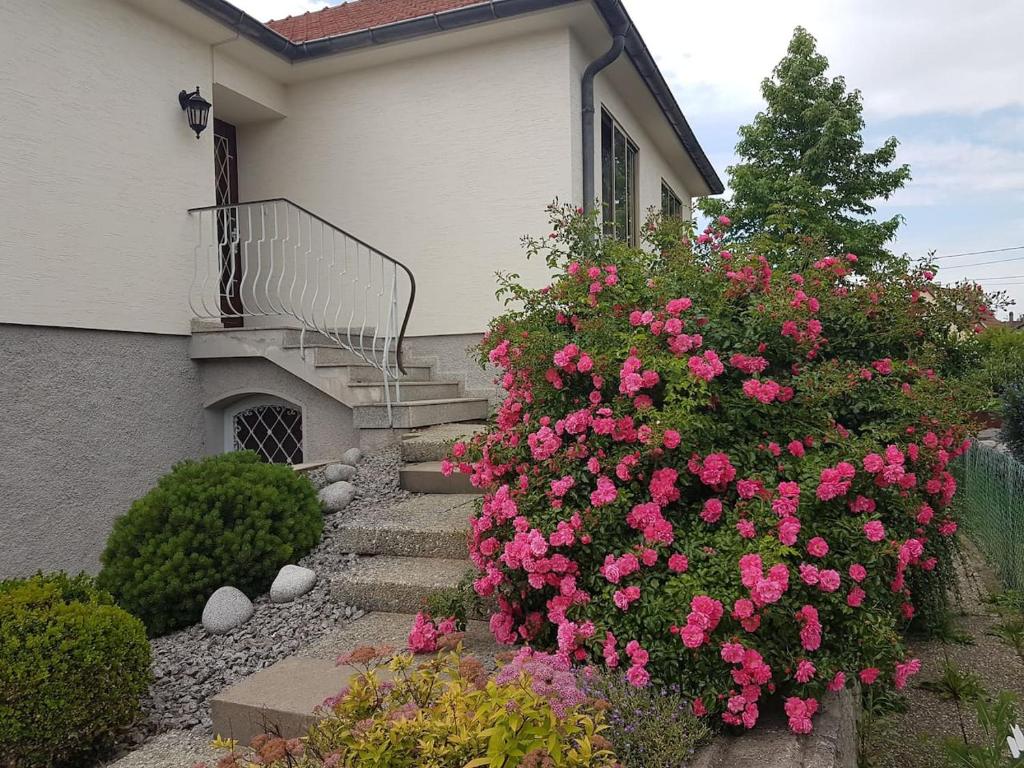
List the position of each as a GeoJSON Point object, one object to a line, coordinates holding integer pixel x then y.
{"type": "Point", "coordinates": [358, 15]}
{"type": "Point", "coordinates": [364, 23]}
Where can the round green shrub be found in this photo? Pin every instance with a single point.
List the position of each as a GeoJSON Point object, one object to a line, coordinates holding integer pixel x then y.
{"type": "Point", "coordinates": [228, 519]}
{"type": "Point", "coordinates": [72, 669]}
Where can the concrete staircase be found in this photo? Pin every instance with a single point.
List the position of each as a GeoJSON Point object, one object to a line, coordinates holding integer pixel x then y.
{"type": "Point", "coordinates": [419, 399]}
{"type": "Point", "coordinates": [414, 548]}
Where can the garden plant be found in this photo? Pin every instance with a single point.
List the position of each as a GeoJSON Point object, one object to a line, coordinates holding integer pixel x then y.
{"type": "Point", "coordinates": [721, 472]}
{"type": "Point", "coordinates": [73, 667]}
{"type": "Point", "coordinates": [227, 519]}
{"type": "Point", "coordinates": [445, 712]}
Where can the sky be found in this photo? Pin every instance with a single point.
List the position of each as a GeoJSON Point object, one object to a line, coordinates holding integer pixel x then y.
{"type": "Point", "coordinates": [945, 77]}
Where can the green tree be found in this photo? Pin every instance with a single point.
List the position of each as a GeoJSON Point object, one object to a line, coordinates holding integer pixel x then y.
{"type": "Point", "coordinates": [803, 169]}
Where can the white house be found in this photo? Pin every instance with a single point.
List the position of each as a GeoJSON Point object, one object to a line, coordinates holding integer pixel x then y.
{"type": "Point", "coordinates": [150, 310]}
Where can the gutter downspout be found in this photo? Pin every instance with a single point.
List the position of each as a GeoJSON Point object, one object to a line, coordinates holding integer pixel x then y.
{"type": "Point", "coordinates": [609, 56]}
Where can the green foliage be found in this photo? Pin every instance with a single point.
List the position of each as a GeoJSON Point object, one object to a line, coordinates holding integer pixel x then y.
{"type": "Point", "coordinates": [1011, 632]}
{"type": "Point", "coordinates": [72, 669]}
{"type": "Point", "coordinates": [460, 602]}
{"type": "Point", "coordinates": [803, 169]}
{"type": "Point", "coordinates": [650, 727]}
{"type": "Point", "coordinates": [996, 716]}
{"type": "Point", "coordinates": [1012, 432]}
{"type": "Point", "coordinates": [1002, 358]}
{"type": "Point", "coordinates": [443, 713]}
{"type": "Point", "coordinates": [228, 519]}
{"type": "Point", "coordinates": [955, 684]}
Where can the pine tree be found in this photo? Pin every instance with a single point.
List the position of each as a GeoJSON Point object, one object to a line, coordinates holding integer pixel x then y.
{"type": "Point", "coordinates": [803, 169]}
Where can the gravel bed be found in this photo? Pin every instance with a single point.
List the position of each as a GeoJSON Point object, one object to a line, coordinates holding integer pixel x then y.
{"type": "Point", "coordinates": [190, 666]}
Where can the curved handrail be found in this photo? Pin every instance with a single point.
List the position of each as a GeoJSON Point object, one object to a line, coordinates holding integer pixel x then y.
{"type": "Point", "coordinates": [353, 238]}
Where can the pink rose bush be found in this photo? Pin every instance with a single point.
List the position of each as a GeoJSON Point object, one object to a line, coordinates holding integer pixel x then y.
{"type": "Point", "coordinates": [716, 473]}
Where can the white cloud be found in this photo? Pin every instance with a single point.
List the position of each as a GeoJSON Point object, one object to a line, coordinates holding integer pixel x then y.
{"type": "Point", "coordinates": [947, 171]}
{"type": "Point", "coordinates": [909, 57]}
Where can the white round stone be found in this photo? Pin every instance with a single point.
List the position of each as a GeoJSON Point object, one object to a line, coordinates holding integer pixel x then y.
{"type": "Point", "coordinates": [292, 581]}
{"type": "Point", "coordinates": [226, 609]}
{"type": "Point", "coordinates": [336, 496]}
{"type": "Point", "coordinates": [334, 473]}
{"type": "Point", "coordinates": [352, 456]}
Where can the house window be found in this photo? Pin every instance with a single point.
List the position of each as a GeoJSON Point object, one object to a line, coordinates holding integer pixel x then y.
{"type": "Point", "coordinates": [618, 181]}
{"type": "Point", "coordinates": [671, 205]}
{"type": "Point", "coordinates": [267, 425]}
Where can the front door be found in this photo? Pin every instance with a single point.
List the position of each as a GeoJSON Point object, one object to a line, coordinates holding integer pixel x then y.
{"type": "Point", "coordinates": [225, 174]}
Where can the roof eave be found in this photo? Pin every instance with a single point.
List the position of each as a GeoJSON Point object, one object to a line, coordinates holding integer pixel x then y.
{"type": "Point", "coordinates": [613, 11]}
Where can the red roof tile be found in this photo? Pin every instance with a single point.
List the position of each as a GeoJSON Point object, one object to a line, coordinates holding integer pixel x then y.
{"type": "Point", "coordinates": [358, 15]}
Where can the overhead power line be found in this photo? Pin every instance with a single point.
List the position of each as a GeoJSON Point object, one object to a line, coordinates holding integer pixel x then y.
{"type": "Point", "coordinates": [983, 263]}
{"type": "Point", "coordinates": [979, 253]}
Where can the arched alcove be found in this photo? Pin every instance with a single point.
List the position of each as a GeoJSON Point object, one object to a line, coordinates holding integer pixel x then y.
{"type": "Point", "coordinates": [267, 424]}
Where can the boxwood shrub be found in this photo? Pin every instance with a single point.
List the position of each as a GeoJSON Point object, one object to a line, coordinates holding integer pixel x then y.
{"type": "Point", "coordinates": [72, 669]}
{"type": "Point", "coordinates": [227, 519]}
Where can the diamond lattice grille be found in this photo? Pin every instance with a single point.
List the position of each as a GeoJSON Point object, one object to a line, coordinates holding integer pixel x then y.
{"type": "Point", "coordinates": [273, 431]}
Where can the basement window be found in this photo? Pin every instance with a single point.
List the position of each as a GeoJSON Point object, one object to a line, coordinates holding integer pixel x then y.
{"type": "Point", "coordinates": [267, 425]}
{"type": "Point", "coordinates": [618, 181]}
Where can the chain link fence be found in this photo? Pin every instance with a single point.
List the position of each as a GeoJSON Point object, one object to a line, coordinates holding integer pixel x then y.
{"type": "Point", "coordinates": [992, 497]}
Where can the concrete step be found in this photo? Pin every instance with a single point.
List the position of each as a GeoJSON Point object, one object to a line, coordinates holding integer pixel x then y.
{"type": "Point", "coordinates": [367, 374]}
{"type": "Point", "coordinates": [335, 355]}
{"type": "Point", "coordinates": [408, 391]}
{"type": "Point", "coordinates": [434, 443]}
{"type": "Point", "coordinates": [422, 526]}
{"type": "Point", "coordinates": [420, 414]}
{"type": "Point", "coordinates": [400, 584]}
{"type": "Point", "coordinates": [282, 697]}
{"type": "Point", "coordinates": [171, 749]}
{"type": "Point", "coordinates": [293, 337]}
{"type": "Point", "coordinates": [426, 477]}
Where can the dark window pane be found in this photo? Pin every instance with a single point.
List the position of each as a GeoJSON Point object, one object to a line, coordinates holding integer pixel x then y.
{"type": "Point", "coordinates": [671, 205]}
{"type": "Point", "coordinates": [621, 203]}
{"type": "Point", "coordinates": [618, 181]}
{"type": "Point", "coordinates": [607, 179]}
{"type": "Point", "coordinates": [630, 194]}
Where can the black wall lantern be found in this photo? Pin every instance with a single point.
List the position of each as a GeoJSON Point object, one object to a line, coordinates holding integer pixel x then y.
{"type": "Point", "coordinates": [197, 110]}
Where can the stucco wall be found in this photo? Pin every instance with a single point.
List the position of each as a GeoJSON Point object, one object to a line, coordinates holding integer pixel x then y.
{"type": "Point", "coordinates": [91, 420]}
{"type": "Point", "coordinates": [98, 166]}
{"type": "Point", "coordinates": [454, 357]}
{"type": "Point", "coordinates": [443, 162]}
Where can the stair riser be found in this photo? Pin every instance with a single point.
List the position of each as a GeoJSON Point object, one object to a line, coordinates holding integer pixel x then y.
{"type": "Point", "coordinates": [434, 482]}
{"type": "Point", "coordinates": [416, 451]}
{"type": "Point", "coordinates": [364, 374]}
{"type": "Point", "coordinates": [339, 356]}
{"type": "Point", "coordinates": [408, 394]}
{"type": "Point", "coordinates": [365, 541]}
{"type": "Point", "coordinates": [409, 416]}
{"type": "Point", "coordinates": [294, 338]}
{"type": "Point", "coordinates": [396, 598]}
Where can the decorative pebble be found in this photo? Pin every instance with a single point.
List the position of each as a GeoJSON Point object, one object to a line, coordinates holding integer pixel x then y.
{"type": "Point", "coordinates": [334, 473]}
{"type": "Point", "coordinates": [226, 609]}
{"type": "Point", "coordinates": [336, 496]}
{"type": "Point", "coordinates": [352, 456]}
{"type": "Point", "coordinates": [292, 581]}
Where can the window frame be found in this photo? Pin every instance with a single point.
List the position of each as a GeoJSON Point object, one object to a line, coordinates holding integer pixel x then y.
{"type": "Point", "coordinates": [613, 135]}
{"type": "Point", "coordinates": [673, 200]}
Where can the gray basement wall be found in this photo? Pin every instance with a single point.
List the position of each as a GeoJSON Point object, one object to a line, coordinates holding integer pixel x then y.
{"type": "Point", "coordinates": [91, 420]}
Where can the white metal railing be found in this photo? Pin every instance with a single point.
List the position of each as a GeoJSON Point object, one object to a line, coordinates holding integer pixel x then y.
{"type": "Point", "coordinates": [274, 259]}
